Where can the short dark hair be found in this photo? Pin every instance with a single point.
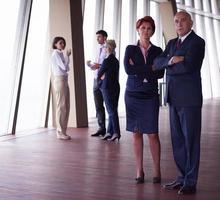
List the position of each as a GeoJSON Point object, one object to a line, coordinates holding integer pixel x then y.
{"type": "Point", "coordinates": [102, 32]}
{"type": "Point", "coordinates": [57, 39]}
{"type": "Point", "coordinates": [148, 19]}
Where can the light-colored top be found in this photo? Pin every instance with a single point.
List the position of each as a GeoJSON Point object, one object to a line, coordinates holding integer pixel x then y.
{"type": "Point", "coordinates": [100, 56]}
{"type": "Point", "coordinates": [145, 53]}
{"type": "Point", "coordinates": [184, 37]}
{"type": "Point", "coordinates": [60, 64]}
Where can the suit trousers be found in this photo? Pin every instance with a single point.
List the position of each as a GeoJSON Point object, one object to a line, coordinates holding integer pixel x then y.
{"type": "Point", "coordinates": [111, 102]}
{"type": "Point", "coordinates": [62, 95]}
{"type": "Point", "coordinates": [185, 124]}
{"type": "Point", "coordinates": [99, 105]}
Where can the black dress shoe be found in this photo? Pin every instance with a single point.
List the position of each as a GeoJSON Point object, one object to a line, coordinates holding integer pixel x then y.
{"type": "Point", "coordinates": [98, 133]}
{"type": "Point", "coordinates": [187, 190]}
{"type": "Point", "coordinates": [173, 186]}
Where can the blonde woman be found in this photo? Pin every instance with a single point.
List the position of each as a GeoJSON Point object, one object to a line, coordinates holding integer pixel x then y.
{"type": "Point", "coordinates": [108, 77]}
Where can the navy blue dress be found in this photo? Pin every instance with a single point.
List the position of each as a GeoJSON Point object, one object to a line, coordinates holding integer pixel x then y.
{"type": "Point", "coordinates": [141, 95]}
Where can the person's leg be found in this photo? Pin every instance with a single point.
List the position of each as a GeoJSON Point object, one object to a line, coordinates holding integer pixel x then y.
{"type": "Point", "coordinates": [178, 142]}
{"type": "Point", "coordinates": [108, 104]}
{"type": "Point", "coordinates": [191, 126]}
{"type": "Point", "coordinates": [61, 90]}
{"type": "Point", "coordinates": [179, 151]}
{"type": "Point", "coordinates": [154, 143]}
{"type": "Point", "coordinates": [111, 103]}
{"type": "Point", "coordinates": [138, 151]}
{"type": "Point", "coordinates": [99, 105]}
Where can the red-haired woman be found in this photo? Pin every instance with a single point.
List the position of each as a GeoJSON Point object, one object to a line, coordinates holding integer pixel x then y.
{"type": "Point", "coordinates": [141, 96]}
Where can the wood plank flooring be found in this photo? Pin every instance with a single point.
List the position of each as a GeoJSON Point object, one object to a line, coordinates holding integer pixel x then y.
{"type": "Point", "coordinates": [41, 167]}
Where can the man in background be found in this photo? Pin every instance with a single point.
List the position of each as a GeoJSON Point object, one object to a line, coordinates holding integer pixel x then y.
{"type": "Point", "coordinates": [101, 36]}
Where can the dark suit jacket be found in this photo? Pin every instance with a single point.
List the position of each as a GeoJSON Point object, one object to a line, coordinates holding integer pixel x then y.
{"type": "Point", "coordinates": [183, 80]}
{"type": "Point", "coordinates": [110, 69]}
{"type": "Point", "coordinates": [141, 70]}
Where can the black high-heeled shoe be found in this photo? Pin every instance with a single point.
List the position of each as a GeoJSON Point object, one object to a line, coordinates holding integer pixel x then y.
{"type": "Point", "coordinates": [106, 136]}
{"type": "Point", "coordinates": [140, 179]}
{"type": "Point", "coordinates": [115, 136]}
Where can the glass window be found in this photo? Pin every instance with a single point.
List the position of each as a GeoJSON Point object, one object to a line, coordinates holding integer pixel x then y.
{"type": "Point", "coordinates": [140, 10]}
{"type": "Point", "coordinates": [108, 18]}
{"type": "Point", "coordinates": [8, 21]}
{"type": "Point", "coordinates": [35, 83]}
{"type": "Point", "coordinates": [89, 51]}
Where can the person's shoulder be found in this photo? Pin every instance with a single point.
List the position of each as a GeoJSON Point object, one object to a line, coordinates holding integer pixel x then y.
{"type": "Point", "coordinates": [55, 52]}
{"type": "Point", "coordinates": [197, 39]}
{"type": "Point", "coordinates": [171, 42]}
{"type": "Point", "coordinates": [156, 48]}
{"type": "Point", "coordinates": [131, 46]}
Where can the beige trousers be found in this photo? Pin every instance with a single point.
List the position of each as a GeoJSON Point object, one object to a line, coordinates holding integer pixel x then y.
{"type": "Point", "coordinates": [62, 98]}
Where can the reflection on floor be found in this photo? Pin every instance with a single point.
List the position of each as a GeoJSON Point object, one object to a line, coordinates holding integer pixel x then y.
{"type": "Point", "coordinates": [41, 167]}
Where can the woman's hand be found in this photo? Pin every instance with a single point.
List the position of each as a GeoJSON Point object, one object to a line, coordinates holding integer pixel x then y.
{"type": "Point", "coordinates": [68, 52]}
{"type": "Point", "coordinates": [131, 62]}
{"type": "Point", "coordinates": [102, 77]}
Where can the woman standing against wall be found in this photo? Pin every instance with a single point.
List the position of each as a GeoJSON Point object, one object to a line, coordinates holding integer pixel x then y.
{"type": "Point", "coordinates": [60, 68]}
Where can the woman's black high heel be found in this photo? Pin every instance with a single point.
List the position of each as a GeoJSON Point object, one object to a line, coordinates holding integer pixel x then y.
{"type": "Point", "coordinates": [115, 136]}
{"type": "Point", "coordinates": [140, 179]}
{"type": "Point", "coordinates": [106, 136]}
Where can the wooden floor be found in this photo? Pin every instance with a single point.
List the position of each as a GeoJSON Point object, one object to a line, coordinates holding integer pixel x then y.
{"type": "Point", "coordinates": [41, 167]}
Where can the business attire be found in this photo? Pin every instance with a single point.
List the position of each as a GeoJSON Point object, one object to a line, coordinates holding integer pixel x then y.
{"type": "Point", "coordinates": [60, 68]}
{"type": "Point", "coordinates": [184, 95]}
{"type": "Point", "coordinates": [141, 95]}
{"type": "Point", "coordinates": [110, 89]}
{"type": "Point", "coordinates": [98, 97]}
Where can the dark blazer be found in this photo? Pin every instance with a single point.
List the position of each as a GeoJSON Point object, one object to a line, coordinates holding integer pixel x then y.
{"type": "Point", "coordinates": [183, 80]}
{"type": "Point", "coordinates": [110, 69]}
{"type": "Point", "coordinates": [141, 70]}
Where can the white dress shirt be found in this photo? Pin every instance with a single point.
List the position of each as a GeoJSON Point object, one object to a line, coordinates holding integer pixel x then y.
{"type": "Point", "coordinates": [100, 56]}
{"type": "Point", "coordinates": [60, 64]}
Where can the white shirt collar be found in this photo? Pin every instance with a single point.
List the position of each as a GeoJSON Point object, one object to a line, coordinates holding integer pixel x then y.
{"type": "Point", "coordinates": [102, 45]}
{"type": "Point", "coordinates": [184, 37]}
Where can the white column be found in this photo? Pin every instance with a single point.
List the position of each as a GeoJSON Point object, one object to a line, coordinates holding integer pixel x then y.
{"type": "Point", "coordinates": [212, 51]}
{"type": "Point", "coordinates": [146, 7]}
{"type": "Point", "coordinates": [216, 24]}
{"type": "Point", "coordinates": [99, 20]}
{"type": "Point", "coordinates": [205, 71]}
{"type": "Point", "coordinates": [132, 21]}
{"type": "Point", "coordinates": [117, 25]}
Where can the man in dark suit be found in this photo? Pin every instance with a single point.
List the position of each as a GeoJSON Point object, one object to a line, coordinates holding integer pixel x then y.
{"type": "Point", "coordinates": [182, 60]}
{"type": "Point", "coordinates": [101, 37]}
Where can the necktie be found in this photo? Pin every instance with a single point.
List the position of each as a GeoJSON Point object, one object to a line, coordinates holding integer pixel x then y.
{"type": "Point", "coordinates": [178, 43]}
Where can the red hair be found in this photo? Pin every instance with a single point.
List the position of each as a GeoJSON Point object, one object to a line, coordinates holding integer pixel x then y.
{"type": "Point", "coordinates": [148, 19]}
